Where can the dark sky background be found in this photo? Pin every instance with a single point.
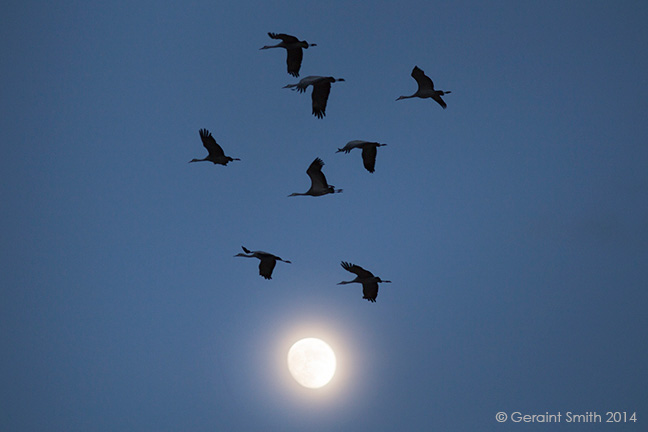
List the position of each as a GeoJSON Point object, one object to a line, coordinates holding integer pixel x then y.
{"type": "Point", "coordinates": [514, 224]}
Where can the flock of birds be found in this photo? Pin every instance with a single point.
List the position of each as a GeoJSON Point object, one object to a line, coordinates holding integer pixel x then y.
{"type": "Point", "coordinates": [319, 186]}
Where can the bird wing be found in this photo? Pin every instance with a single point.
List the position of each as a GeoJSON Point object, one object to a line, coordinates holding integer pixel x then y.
{"type": "Point", "coordinates": [423, 81]}
{"type": "Point", "coordinates": [351, 145]}
{"type": "Point", "coordinates": [314, 171]}
{"type": "Point", "coordinates": [369, 157]}
{"type": "Point", "coordinates": [357, 270]}
{"type": "Point", "coordinates": [370, 291]}
{"type": "Point", "coordinates": [321, 90]}
{"type": "Point", "coordinates": [284, 37]}
{"type": "Point", "coordinates": [210, 143]}
{"type": "Point", "coordinates": [304, 83]}
{"type": "Point", "coordinates": [440, 101]}
{"type": "Point", "coordinates": [266, 266]}
{"type": "Point", "coordinates": [294, 60]}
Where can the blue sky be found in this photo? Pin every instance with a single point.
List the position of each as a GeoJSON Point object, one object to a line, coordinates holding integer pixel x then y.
{"type": "Point", "coordinates": [514, 224]}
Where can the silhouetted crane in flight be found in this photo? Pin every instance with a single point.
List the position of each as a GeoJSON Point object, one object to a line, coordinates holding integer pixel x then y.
{"type": "Point", "coordinates": [426, 88]}
{"type": "Point", "coordinates": [369, 151]}
{"type": "Point", "coordinates": [319, 186]}
{"type": "Point", "coordinates": [216, 154]}
{"type": "Point", "coordinates": [321, 89]}
{"type": "Point", "coordinates": [294, 53]}
{"type": "Point", "coordinates": [267, 261]}
{"type": "Point", "coordinates": [366, 278]}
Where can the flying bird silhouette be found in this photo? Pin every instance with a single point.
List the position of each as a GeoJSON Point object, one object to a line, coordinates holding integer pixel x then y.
{"type": "Point", "coordinates": [216, 154]}
{"type": "Point", "coordinates": [321, 89]}
{"type": "Point", "coordinates": [294, 53]}
{"type": "Point", "coordinates": [426, 88]}
{"type": "Point", "coordinates": [366, 278]}
{"type": "Point", "coordinates": [369, 151]}
{"type": "Point", "coordinates": [267, 262]}
{"type": "Point", "coordinates": [319, 186]}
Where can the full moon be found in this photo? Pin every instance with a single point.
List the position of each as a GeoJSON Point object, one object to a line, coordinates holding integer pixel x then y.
{"type": "Point", "coordinates": [311, 362]}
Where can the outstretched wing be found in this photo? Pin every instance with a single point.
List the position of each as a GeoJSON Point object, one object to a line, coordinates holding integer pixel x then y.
{"type": "Point", "coordinates": [423, 81]}
{"type": "Point", "coordinates": [369, 152]}
{"type": "Point", "coordinates": [370, 291]}
{"type": "Point", "coordinates": [284, 37]}
{"type": "Point", "coordinates": [266, 266]}
{"type": "Point", "coordinates": [358, 271]}
{"type": "Point", "coordinates": [314, 171]}
{"type": "Point", "coordinates": [294, 60]}
{"type": "Point", "coordinates": [437, 99]}
{"type": "Point", "coordinates": [351, 145]}
{"type": "Point", "coordinates": [321, 90]}
{"type": "Point", "coordinates": [210, 143]}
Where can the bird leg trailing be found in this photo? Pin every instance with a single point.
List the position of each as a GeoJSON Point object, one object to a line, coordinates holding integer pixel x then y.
{"type": "Point", "coordinates": [294, 87]}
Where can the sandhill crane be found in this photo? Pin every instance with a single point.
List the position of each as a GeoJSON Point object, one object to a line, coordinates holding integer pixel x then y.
{"type": "Point", "coordinates": [293, 49]}
{"type": "Point", "coordinates": [319, 186]}
{"type": "Point", "coordinates": [321, 89]}
{"type": "Point", "coordinates": [216, 154]}
{"type": "Point", "coordinates": [366, 278]}
{"type": "Point", "coordinates": [267, 261]}
{"type": "Point", "coordinates": [426, 88]}
{"type": "Point", "coordinates": [369, 150]}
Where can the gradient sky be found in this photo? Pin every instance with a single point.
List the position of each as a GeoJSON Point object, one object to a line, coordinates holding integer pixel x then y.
{"type": "Point", "coordinates": [514, 224]}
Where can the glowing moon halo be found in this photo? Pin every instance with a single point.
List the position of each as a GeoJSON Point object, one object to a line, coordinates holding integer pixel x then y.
{"type": "Point", "coordinates": [311, 362]}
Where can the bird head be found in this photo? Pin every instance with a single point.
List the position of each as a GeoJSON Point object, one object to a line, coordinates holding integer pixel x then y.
{"type": "Point", "coordinates": [309, 45]}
